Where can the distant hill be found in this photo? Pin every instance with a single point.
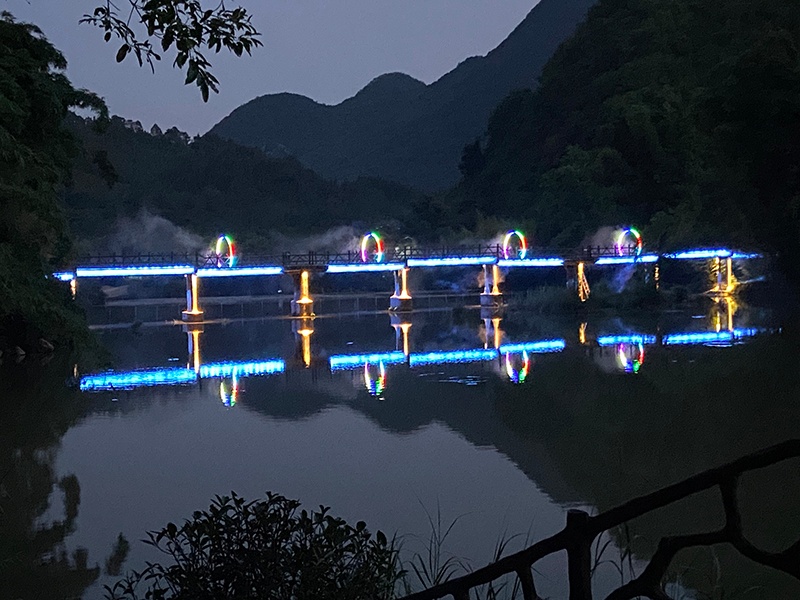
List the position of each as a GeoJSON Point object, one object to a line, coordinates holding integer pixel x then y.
{"type": "Point", "coordinates": [212, 185]}
{"type": "Point", "coordinates": [397, 127]}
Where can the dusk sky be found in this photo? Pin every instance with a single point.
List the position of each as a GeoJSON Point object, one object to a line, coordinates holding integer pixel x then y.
{"type": "Point", "coordinates": [324, 49]}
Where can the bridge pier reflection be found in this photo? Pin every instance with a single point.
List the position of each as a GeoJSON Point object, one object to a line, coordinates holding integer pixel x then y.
{"type": "Point", "coordinates": [401, 300]}
{"type": "Point", "coordinates": [302, 303]}
{"type": "Point", "coordinates": [303, 328]}
{"type": "Point", "coordinates": [491, 296]}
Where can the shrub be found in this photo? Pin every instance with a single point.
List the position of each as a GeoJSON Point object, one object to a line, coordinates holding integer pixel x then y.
{"type": "Point", "coordinates": [265, 549]}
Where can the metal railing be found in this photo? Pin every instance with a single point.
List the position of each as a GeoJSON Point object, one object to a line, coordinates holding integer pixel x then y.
{"type": "Point", "coordinates": [581, 530]}
{"type": "Point", "coordinates": [315, 259]}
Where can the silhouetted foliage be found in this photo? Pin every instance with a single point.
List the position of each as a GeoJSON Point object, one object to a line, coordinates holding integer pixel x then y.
{"type": "Point", "coordinates": [266, 549]}
{"type": "Point", "coordinates": [35, 156]}
{"type": "Point", "coordinates": [185, 24]}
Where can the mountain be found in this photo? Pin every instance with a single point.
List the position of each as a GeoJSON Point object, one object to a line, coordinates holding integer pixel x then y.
{"type": "Point", "coordinates": [679, 116]}
{"type": "Point", "coordinates": [211, 185]}
{"type": "Point", "coordinates": [397, 127]}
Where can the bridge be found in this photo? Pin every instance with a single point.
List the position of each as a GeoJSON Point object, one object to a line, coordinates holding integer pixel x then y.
{"type": "Point", "coordinates": [375, 257]}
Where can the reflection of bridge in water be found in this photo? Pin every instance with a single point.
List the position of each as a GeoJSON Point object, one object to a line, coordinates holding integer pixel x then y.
{"type": "Point", "coordinates": [513, 360]}
{"type": "Point", "coordinates": [513, 253]}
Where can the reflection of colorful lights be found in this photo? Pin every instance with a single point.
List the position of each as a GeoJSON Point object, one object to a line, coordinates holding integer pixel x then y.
{"type": "Point", "coordinates": [224, 241]}
{"type": "Point", "coordinates": [375, 386]}
{"type": "Point", "coordinates": [451, 261]}
{"type": "Point", "coordinates": [365, 268]}
{"type": "Point", "coordinates": [379, 249]}
{"type": "Point", "coordinates": [134, 271]}
{"type": "Point", "coordinates": [229, 398]}
{"type": "Point", "coordinates": [522, 251]}
{"type": "Point", "coordinates": [621, 240]}
{"type": "Point", "coordinates": [518, 376]}
{"type": "Point", "coordinates": [628, 365]}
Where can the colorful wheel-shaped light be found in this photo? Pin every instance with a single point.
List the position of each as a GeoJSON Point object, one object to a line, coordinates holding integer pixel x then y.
{"type": "Point", "coordinates": [508, 249]}
{"type": "Point", "coordinates": [634, 233]}
{"type": "Point", "coordinates": [224, 242]}
{"type": "Point", "coordinates": [630, 365]}
{"type": "Point", "coordinates": [375, 386]}
{"type": "Point", "coordinates": [518, 375]}
{"type": "Point", "coordinates": [230, 396]}
{"type": "Point", "coordinates": [372, 239]}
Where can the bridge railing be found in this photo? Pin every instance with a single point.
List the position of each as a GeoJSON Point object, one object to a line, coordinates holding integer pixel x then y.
{"type": "Point", "coordinates": [581, 530]}
{"type": "Point", "coordinates": [323, 259]}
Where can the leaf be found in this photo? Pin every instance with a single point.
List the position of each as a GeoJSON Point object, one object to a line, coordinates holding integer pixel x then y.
{"type": "Point", "coordinates": [122, 52]}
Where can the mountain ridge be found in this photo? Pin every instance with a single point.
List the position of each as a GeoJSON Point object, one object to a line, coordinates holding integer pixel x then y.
{"type": "Point", "coordinates": [397, 127]}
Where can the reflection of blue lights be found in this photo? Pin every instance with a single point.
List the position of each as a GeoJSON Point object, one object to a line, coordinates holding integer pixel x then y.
{"type": "Point", "coordinates": [350, 361]}
{"type": "Point", "coordinates": [452, 261]}
{"type": "Point", "coordinates": [627, 260]}
{"type": "Point", "coordinates": [457, 356]}
{"type": "Point", "coordinates": [745, 255]}
{"type": "Point", "coordinates": [239, 271]}
{"type": "Point", "coordinates": [531, 262]}
{"type": "Point", "coordinates": [708, 337]}
{"type": "Point", "coordinates": [242, 369]}
{"type": "Point", "coordinates": [133, 379]}
{"type": "Point", "coordinates": [365, 267]}
{"type": "Point", "coordinates": [64, 276]}
{"type": "Point", "coordinates": [535, 347]}
{"type": "Point", "coordinates": [700, 254]}
{"type": "Point", "coordinates": [177, 376]}
{"type": "Point", "coordinates": [134, 271]}
{"type": "Point", "coordinates": [634, 338]}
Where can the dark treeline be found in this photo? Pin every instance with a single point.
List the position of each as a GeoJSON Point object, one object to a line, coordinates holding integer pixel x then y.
{"type": "Point", "coordinates": [680, 116]}
{"type": "Point", "coordinates": [210, 186]}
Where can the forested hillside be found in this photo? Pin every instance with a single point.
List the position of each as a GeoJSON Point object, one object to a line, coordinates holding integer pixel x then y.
{"type": "Point", "coordinates": [211, 185]}
{"type": "Point", "coordinates": [679, 115]}
{"type": "Point", "coordinates": [398, 128]}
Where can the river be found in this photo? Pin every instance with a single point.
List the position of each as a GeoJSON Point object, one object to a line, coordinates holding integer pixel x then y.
{"type": "Point", "coordinates": [501, 424]}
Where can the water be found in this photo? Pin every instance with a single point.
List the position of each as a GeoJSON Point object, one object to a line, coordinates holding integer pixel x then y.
{"type": "Point", "coordinates": [505, 442]}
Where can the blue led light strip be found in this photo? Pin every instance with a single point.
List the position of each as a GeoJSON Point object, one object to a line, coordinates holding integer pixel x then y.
{"type": "Point", "coordinates": [626, 260]}
{"type": "Point", "coordinates": [700, 254]}
{"type": "Point", "coordinates": [134, 271]}
{"type": "Point", "coordinates": [365, 267]}
{"type": "Point", "coordinates": [634, 338]}
{"type": "Point", "coordinates": [64, 276]}
{"type": "Point", "coordinates": [239, 271]}
{"type": "Point", "coordinates": [242, 369]}
{"type": "Point", "coordinates": [452, 261]}
{"type": "Point", "coordinates": [531, 262]}
{"type": "Point", "coordinates": [534, 347]}
{"type": "Point", "coordinates": [352, 361]}
{"type": "Point", "coordinates": [455, 356]}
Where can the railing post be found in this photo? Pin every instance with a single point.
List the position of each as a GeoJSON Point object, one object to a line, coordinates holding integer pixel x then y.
{"type": "Point", "coordinates": [579, 555]}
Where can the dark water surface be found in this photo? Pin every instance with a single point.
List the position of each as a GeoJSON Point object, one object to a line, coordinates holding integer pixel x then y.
{"type": "Point", "coordinates": [560, 416]}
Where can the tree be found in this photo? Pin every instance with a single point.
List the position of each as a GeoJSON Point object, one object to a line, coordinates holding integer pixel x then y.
{"type": "Point", "coordinates": [183, 24]}
{"type": "Point", "coordinates": [35, 156]}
